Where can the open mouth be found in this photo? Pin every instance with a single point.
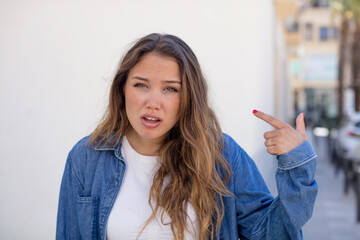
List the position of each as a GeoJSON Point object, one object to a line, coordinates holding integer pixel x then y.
{"type": "Point", "coordinates": [151, 119]}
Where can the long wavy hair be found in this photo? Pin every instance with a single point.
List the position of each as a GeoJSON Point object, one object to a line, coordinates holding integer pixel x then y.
{"type": "Point", "coordinates": [192, 168]}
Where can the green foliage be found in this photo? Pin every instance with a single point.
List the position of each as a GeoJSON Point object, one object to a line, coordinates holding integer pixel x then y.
{"type": "Point", "coordinates": [349, 9]}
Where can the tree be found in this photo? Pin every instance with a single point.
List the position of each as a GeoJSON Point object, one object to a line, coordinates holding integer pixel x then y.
{"type": "Point", "coordinates": [355, 60]}
{"type": "Point", "coordinates": [349, 11]}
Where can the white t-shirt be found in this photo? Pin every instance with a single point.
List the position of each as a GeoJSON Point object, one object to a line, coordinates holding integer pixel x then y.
{"type": "Point", "coordinates": [131, 208]}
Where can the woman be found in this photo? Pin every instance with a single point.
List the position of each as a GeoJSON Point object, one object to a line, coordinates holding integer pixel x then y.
{"type": "Point", "coordinates": [159, 167]}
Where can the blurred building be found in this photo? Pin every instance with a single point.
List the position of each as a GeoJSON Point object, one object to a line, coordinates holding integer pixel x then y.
{"type": "Point", "coordinates": [312, 45]}
{"type": "Point", "coordinates": [286, 11]}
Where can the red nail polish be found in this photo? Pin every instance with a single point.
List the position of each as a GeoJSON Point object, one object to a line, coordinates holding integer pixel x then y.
{"type": "Point", "coordinates": [255, 111]}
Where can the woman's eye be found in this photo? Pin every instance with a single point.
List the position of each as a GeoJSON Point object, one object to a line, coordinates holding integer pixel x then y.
{"type": "Point", "coordinates": [171, 89]}
{"type": "Point", "coordinates": [139, 85]}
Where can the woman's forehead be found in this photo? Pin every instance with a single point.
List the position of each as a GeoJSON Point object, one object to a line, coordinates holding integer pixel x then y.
{"type": "Point", "coordinates": [156, 66]}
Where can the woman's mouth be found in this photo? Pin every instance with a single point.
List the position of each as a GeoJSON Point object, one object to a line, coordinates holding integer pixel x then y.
{"type": "Point", "coordinates": [150, 122]}
{"type": "Point", "coordinates": [151, 119]}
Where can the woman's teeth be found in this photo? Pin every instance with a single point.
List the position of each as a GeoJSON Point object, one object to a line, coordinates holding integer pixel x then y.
{"type": "Point", "coordinates": [151, 119]}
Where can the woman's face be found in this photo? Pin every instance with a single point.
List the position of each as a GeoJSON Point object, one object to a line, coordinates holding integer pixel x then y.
{"type": "Point", "coordinates": [152, 97]}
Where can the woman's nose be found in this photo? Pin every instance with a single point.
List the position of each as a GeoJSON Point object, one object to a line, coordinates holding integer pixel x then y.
{"type": "Point", "coordinates": [153, 100]}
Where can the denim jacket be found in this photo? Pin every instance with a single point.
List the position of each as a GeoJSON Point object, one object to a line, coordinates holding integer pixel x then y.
{"type": "Point", "coordinates": [92, 180]}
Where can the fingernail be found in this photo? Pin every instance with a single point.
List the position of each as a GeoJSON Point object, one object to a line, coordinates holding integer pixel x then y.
{"type": "Point", "coordinates": [255, 111]}
{"type": "Point", "coordinates": [303, 115]}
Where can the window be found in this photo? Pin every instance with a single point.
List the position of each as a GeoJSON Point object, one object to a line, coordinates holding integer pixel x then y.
{"type": "Point", "coordinates": [324, 33]}
{"type": "Point", "coordinates": [321, 3]}
{"type": "Point", "coordinates": [308, 31]}
{"type": "Point", "coordinates": [335, 33]}
{"type": "Point", "coordinates": [290, 24]}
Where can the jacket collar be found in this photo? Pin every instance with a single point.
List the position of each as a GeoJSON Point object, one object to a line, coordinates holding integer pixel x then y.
{"type": "Point", "coordinates": [116, 148]}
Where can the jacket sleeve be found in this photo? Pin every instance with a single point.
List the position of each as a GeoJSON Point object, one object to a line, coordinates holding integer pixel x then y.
{"type": "Point", "coordinates": [259, 214]}
{"type": "Point", "coordinates": [67, 218]}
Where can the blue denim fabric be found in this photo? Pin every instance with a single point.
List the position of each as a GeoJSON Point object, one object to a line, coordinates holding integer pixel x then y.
{"type": "Point", "coordinates": [92, 180]}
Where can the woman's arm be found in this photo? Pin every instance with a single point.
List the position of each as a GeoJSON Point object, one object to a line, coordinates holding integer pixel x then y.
{"type": "Point", "coordinates": [259, 214]}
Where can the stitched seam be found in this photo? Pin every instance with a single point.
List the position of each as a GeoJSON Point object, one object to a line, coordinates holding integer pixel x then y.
{"type": "Point", "coordinates": [87, 199]}
{"type": "Point", "coordinates": [103, 149]}
{"type": "Point", "coordinates": [235, 166]}
{"type": "Point", "coordinates": [298, 163]}
{"type": "Point", "coordinates": [75, 174]}
{"type": "Point", "coordinates": [95, 214]}
{"type": "Point", "coordinates": [275, 204]}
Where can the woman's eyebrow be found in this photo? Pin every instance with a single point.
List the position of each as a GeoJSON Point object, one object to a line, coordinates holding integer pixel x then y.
{"type": "Point", "coordinates": [147, 80]}
{"type": "Point", "coordinates": [172, 81]}
{"type": "Point", "coordinates": [140, 78]}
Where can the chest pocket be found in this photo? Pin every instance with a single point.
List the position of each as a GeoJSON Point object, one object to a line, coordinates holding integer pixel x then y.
{"type": "Point", "coordinates": [87, 210]}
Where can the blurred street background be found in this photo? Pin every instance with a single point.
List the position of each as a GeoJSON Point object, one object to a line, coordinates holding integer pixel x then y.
{"type": "Point", "coordinates": [323, 58]}
{"type": "Point", "coordinates": [334, 216]}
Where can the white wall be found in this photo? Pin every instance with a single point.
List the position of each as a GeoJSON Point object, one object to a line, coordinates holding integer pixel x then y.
{"type": "Point", "coordinates": [283, 86]}
{"type": "Point", "coordinates": [56, 63]}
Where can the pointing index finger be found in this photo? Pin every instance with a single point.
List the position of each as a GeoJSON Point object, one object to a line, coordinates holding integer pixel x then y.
{"type": "Point", "coordinates": [276, 123]}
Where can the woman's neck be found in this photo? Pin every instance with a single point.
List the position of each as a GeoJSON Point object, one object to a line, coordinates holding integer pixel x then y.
{"type": "Point", "coordinates": [146, 147]}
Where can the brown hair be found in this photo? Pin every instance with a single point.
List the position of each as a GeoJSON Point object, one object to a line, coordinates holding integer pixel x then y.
{"type": "Point", "coordinates": [190, 156]}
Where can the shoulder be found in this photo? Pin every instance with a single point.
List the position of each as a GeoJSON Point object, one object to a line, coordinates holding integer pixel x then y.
{"type": "Point", "coordinates": [78, 155]}
{"type": "Point", "coordinates": [241, 164]}
{"type": "Point", "coordinates": [232, 151]}
{"type": "Point", "coordinates": [84, 155]}
{"type": "Point", "coordinates": [80, 149]}
{"type": "Point", "coordinates": [84, 158]}
{"type": "Point", "coordinates": [230, 145]}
